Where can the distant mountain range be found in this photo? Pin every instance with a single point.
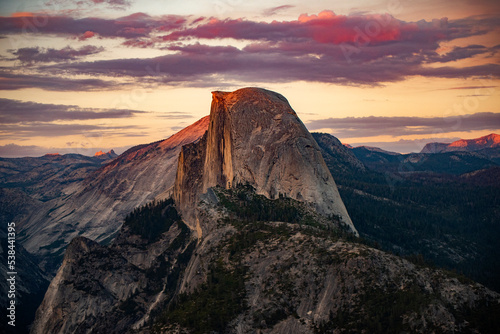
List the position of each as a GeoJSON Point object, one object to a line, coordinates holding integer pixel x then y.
{"type": "Point", "coordinates": [457, 158]}
{"type": "Point", "coordinates": [108, 155]}
{"type": "Point", "coordinates": [443, 206]}
{"type": "Point", "coordinates": [438, 207]}
{"type": "Point", "coordinates": [97, 203]}
{"type": "Point", "coordinates": [256, 238]}
{"type": "Point", "coordinates": [464, 145]}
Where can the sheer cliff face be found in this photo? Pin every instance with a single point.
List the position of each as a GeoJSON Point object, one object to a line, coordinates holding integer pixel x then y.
{"type": "Point", "coordinates": [96, 206]}
{"type": "Point", "coordinates": [255, 137]}
{"type": "Point", "coordinates": [253, 277]}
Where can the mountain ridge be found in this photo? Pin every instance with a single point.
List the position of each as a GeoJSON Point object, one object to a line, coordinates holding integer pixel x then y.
{"type": "Point", "coordinates": [256, 138]}
{"type": "Point", "coordinates": [246, 276]}
{"type": "Point", "coordinates": [248, 259]}
{"type": "Point", "coordinates": [95, 206]}
{"type": "Point", "coordinates": [469, 145]}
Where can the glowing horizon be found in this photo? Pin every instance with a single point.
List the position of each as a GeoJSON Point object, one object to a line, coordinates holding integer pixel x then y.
{"type": "Point", "coordinates": [393, 74]}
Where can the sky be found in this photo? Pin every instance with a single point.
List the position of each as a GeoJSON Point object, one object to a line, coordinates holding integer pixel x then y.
{"type": "Point", "coordinates": [87, 75]}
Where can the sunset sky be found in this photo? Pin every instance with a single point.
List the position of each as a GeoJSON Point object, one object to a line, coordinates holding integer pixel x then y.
{"type": "Point", "coordinates": [88, 75]}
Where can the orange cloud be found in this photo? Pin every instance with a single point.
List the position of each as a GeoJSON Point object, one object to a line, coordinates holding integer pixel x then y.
{"type": "Point", "coordinates": [23, 14]}
{"type": "Point", "coordinates": [86, 35]}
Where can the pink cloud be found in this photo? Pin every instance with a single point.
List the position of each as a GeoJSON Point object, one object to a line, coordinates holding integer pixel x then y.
{"type": "Point", "coordinates": [342, 49]}
{"type": "Point", "coordinates": [132, 26]}
{"type": "Point", "coordinates": [326, 27]}
{"type": "Point", "coordinates": [86, 35]}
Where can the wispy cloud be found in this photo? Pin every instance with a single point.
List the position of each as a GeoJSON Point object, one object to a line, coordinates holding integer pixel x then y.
{"type": "Point", "coordinates": [114, 4]}
{"type": "Point", "coordinates": [41, 55]}
{"type": "Point", "coordinates": [14, 111]}
{"type": "Point", "coordinates": [274, 10]}
{"type": "Point", "coordinates": [131, 26]}
{"type": "Point", "coordinates": [173, 115]}
{"type": "Point", "coordinates": [38, 129]}
{"type": "Point", "coordinates": [469, 87]}
{"type": "Point", "coordinates": [10, 80]}
{"type": "Point", "coordinates": [356, 127]}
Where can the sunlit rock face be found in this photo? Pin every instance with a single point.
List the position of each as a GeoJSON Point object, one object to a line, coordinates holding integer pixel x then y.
{"type": "Point", "coordinates": [95, 207]}
{"type": "Point", "coordinates": [490, 141]}
{"type": "Point", "coordinates": [255, 137]}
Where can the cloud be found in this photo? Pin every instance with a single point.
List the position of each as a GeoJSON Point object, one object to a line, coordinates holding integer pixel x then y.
{"type": "Point", "coordinates": [114, 4]}
{"type": "Point", "coordinates": [86, 35]}
{"type": "Point", "coordinates": [275, 10]}
{"type": "Point", "coordinates": [460, 53]}
{"type": "Point", "coordinates": [177, 128]}
{"type": "Point", "coordinates": [45, 130]}
{"type": "Point", "coordinates": [41, 55]}
{"type": "Point", "coordinates": [173, 115]}
{"type": "Point", "coordinates": [16, 151]}
{"type": "Point", "coordinates": [372, 126]}
{"type": "Point", "coordinates": [15, 81]}
{"type": "Point", "coordinates": [131, 26]}
{"type": "Point", "coordinates": [470, 87]}
{"type": "Point", "coordinates": [14, 111]}
{"type": "Point", "coordinates": [484, 71]}
{"type": "Point", "coordinates": [203, 65]}
{"type": "Point", "coordinates": [38, 129]}
{"type": "Point", "coordinates": [341, 49]}
{"type": "Point", "coordinates": [21, 120]}
{"type": "Point", "coordinates": [330, 28]}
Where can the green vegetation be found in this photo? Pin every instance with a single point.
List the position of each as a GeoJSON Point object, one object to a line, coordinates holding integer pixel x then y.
{"type": "Point", "coordinates": [379, 311]}
{"type": "Point", "coordinates": [55, 244]}
{"type": "Point", "coordinates": [485, 316]}
{"type": "Point", "coordinates": [222, 297]}
{"type": "Point", "coordinates": [244, 205]}
{"type": "Point", "coordinates": [418, 218]}
{"type": "Point", "coordinates": [218, 301]}
{"type": "Point", "coordinates": [129, 306]}
{"type": "Point", "coordinates": [441, 216]}
{"type": "Point", "coordinates": [151, 220]}
{"type": "Point", "coordinates": [249, 234]}
{"type": "Point", "coordinates": [247, 205]}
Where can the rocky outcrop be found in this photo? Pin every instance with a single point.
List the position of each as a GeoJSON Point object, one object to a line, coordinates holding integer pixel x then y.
{"type": "Point", "coordinates": [255, 138]}
{"type": "Point", "coordinates": [466, 145]}
{"type": "Point", "coordinates": [30, 285]}
{"type": "Point", "coordinates": [95, 206]}
{"type": "Point", "coordinates": [248, 276]}
{"type": "Point", "coordinates": [115, 289]}
{"type": "Point", "coordinates": [434, 147]}
{"type": "Point", "coordinates": [108, 155]}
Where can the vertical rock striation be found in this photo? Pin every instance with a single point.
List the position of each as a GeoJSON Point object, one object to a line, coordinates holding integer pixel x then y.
{"type": "Point", "coordinates": [255, 137]}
